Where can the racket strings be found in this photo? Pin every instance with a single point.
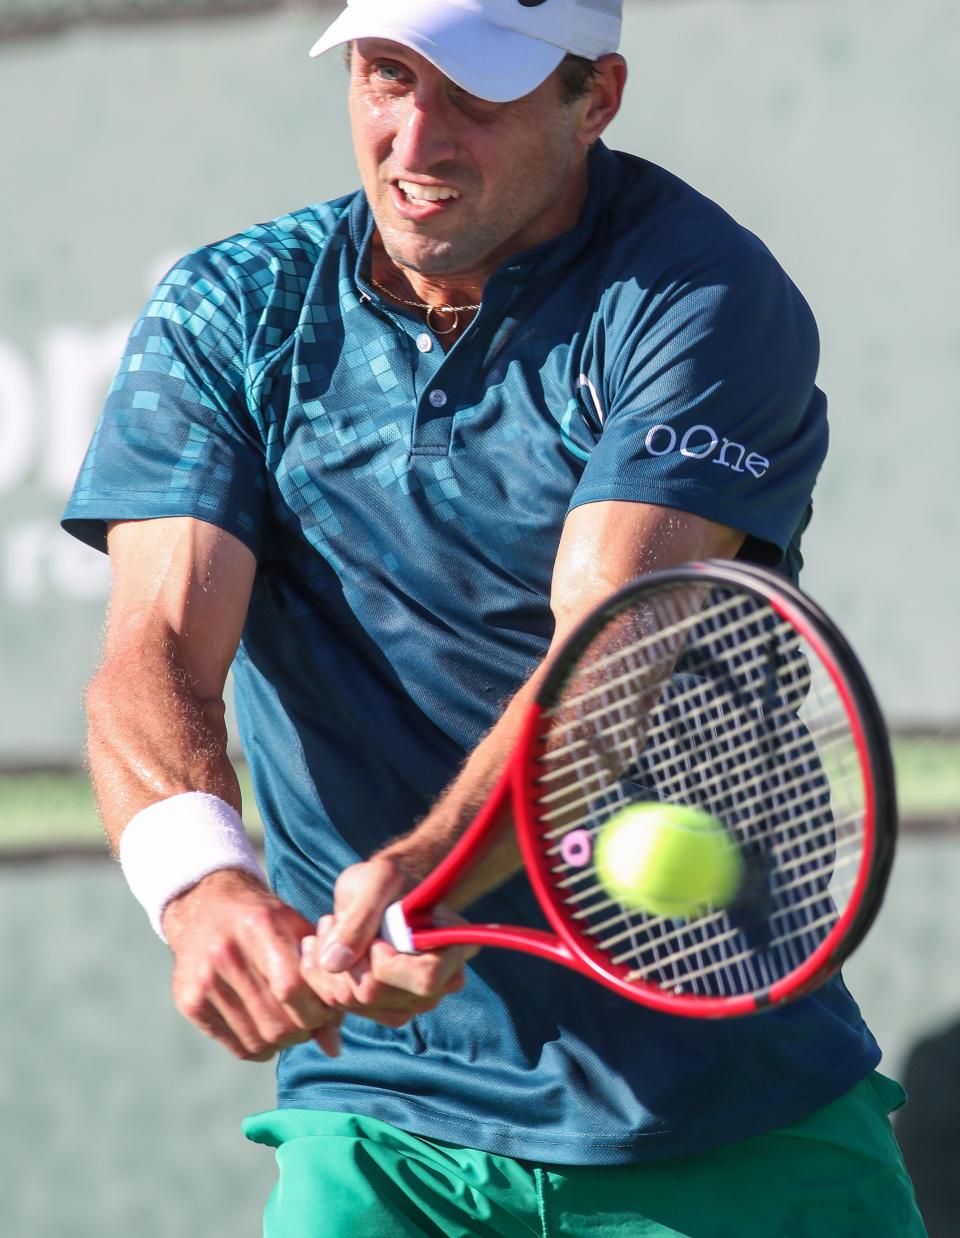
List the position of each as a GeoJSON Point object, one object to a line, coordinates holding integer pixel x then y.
{"type": "Point", "coordinates": [797, 875]}
{"type": "Point", "coordinates": [712, 786]}
{"type": "Point", "coordinates": [592, 729]}
{"type": "Point", "coordinates": [648, 666]}
{"type": "Point", "coordinates": [654, 734]}
{"type": "Point", "coordinates": [577, 795]}
{"type": "Point", "coordinates": [727, 711]}
{"type": "Point", "coordinates": [662, 931]}
{"type": "Point", "coordinates": [744, 958]}
{"type": "Point", "coordinates": [675, 938]}
{"type": "Point", "coordinates": [818, 845]}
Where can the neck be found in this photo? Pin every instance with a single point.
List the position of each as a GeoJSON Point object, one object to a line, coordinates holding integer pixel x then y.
{"type": "Point", "coordinates": [429, 290]}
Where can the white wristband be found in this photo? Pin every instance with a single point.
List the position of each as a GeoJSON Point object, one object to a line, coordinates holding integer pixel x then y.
{"type": "Point", "coordinates": [172, 844]}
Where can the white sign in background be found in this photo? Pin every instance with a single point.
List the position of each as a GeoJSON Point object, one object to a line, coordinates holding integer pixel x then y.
{"type": "Point", "coordinates": [47, 413]}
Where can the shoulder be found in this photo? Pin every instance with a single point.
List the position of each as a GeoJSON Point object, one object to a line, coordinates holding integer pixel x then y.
{"type": "Point", "coordinates": [288, 246]}
{"type": "Point", "coordinates": [664, 228]}
{"type": "Point", "coordinates": [680, 270]}
{"type": "Point", "coordinates": [251, 286]}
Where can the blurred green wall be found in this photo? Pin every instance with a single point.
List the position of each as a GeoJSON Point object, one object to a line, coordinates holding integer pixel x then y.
{"type": "Point", "coordinates": [827, 126]}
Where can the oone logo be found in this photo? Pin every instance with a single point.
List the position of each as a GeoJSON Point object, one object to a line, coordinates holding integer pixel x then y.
{"type": "Point", "coordinates": [701, 442]}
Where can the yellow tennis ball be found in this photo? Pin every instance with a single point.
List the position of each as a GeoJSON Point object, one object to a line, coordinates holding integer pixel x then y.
{"type": "Point", "coordinates": [668, 860]}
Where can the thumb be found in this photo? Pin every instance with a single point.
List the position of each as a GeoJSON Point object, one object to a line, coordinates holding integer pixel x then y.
{"type": "Point", "coordinates": [362, 894]}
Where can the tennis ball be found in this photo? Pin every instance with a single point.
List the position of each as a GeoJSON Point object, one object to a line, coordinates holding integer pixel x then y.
{"type": "Point", "coordinates": [668, 860]}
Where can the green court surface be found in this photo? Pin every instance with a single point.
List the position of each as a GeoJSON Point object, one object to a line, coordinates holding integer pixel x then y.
{"type": "Point", "coordinates": [40, 811]}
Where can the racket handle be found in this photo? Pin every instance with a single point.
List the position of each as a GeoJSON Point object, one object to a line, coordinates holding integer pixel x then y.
{"type": "Point", "coordinates": [395, 930]}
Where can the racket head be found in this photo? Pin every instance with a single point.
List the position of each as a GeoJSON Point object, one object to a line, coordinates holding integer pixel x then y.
{"type": "Point", "coordinates": [722, 687]}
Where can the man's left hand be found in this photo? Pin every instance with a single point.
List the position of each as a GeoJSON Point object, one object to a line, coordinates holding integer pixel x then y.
{"type": "Point", "coordinates": [354, 971]}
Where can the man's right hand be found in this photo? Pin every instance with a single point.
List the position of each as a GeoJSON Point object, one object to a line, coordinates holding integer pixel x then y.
{"type": "Point", "coordinates": [237, 970]}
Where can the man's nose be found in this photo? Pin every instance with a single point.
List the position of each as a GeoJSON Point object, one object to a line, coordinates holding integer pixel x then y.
{"type": "Point", "coordinates": [424, 135]}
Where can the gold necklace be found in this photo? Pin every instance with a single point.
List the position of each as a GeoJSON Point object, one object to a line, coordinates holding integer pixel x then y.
{"type": "Point", "coordinates": [455, 310]}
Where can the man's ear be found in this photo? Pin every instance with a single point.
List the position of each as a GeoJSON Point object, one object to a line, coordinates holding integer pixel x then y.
{"type": "Point", "coordinates": [604, 97]}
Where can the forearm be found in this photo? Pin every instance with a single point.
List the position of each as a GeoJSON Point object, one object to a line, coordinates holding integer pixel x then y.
{"type": "Point", "coordinates": [420, 851]}
{"type": "Point", "coordinates": [152, 735]}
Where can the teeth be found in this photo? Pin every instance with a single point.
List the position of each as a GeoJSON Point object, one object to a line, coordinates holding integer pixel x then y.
{"type": "Point", "coordinates": [427, 193]}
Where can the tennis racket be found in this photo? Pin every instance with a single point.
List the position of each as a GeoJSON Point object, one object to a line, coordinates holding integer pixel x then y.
{"type": "Point", "coordinates": [718, 686]}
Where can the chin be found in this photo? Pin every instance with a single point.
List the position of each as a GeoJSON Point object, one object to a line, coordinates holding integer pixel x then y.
{"type": "Point", "coordinates": [437, 258]}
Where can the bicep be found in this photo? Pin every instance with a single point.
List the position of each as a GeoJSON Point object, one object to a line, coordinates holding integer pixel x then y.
{"type": "Point", "coordinates": [606, 544]}
{"type": "Point", "coordinates": [180, 581]}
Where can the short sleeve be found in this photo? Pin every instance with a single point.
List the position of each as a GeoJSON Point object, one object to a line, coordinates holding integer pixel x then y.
{"type": "Point", "coordinates": [710, 396]}
{"type": "Point", "coordinates": [176, 436]}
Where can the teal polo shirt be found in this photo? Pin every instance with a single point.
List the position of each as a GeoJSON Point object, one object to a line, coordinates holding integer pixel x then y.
{"type": "Point", "coordinates": [405, 505]}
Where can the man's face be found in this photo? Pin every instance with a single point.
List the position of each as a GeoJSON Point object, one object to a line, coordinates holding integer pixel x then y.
{"type": "Point", "coordinates": [458, 184]}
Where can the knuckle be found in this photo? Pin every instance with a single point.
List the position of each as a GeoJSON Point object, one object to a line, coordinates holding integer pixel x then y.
{"type": "Point", "coordinates": [368, 991]}
{"type": "Point", "coordinates": [295, 1038]}
{"type": "Point", "coordinates": [222, 955]}
{"type": "Point", "coordinates": [340, 992]}
{"type": "Point", "coordinates": [319, 990]}
{"type": "Point", "coordinates": [261, 918]}
{"type": "Point", "coordinates": [255, 1043]}
{"type": "Point", "coordinates": [256, 1055]}
{"type": "Point", "coordinates": [277, 1026]}
{"type": "Point", "coordinates": [259, 922]}
{"type": "Point", "coordinates": [323, 1000]}
{"type": "Point", "coordinates": [271, 1036]}
{"type": "Point", "coordinates": [426, 980]}
{"type": "Point", "coordinates": [192, 1010]}
{"type": "Point", "coordinates": [298, 1019]}
{"type": "Point", "coordinates": [306, 1012]}
{"type": "Point", "coordinates": [287, 987]}
{"type": "Point", "coordinates": [191, 1002]}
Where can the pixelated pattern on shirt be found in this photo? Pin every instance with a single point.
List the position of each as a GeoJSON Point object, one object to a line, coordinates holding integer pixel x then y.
{"type": "Point", "coordinates": [405, 506]}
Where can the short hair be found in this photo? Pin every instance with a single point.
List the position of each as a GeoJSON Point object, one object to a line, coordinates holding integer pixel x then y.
{"type": "Point", "coordinates": [576, 75]}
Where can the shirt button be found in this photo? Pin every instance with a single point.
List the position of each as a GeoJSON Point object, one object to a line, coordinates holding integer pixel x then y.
{"type": "Point", "coordinates": [437, 398]}
{"type": "Point", "coordinates": [424, 342]}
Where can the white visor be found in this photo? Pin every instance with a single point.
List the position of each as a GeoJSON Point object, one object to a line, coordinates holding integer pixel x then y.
{"type": "Point", "coordinates": [487, 60]}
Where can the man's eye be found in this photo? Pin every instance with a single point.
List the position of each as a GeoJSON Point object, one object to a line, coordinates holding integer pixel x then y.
{"type": "Point", "coordinates": [388, 72]}
{"type": "Point", "coordinates": [473, 106]}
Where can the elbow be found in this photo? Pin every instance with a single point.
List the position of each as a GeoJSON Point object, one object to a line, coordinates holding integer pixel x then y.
{"type": "Point", "coordinates": [102, 700]}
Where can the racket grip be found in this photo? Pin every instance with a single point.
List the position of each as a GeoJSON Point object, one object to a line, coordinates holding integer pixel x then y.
{"type": "Point", "coordinates": [395, 930]}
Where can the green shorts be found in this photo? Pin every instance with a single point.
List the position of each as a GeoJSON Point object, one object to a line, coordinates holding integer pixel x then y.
{"type": "Point", "coordinates": [836, 1174]}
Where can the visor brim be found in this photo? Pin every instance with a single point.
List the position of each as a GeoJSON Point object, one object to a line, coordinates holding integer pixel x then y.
{"type": "Point", "coordinates": [487, 61]}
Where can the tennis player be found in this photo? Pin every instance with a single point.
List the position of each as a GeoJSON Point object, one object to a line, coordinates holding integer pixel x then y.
{"type": "Point", "coordinates": [379, 455]}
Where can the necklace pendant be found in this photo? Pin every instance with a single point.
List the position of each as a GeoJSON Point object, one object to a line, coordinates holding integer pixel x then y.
{"type": "Point", "coordinates": [443, 309]}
